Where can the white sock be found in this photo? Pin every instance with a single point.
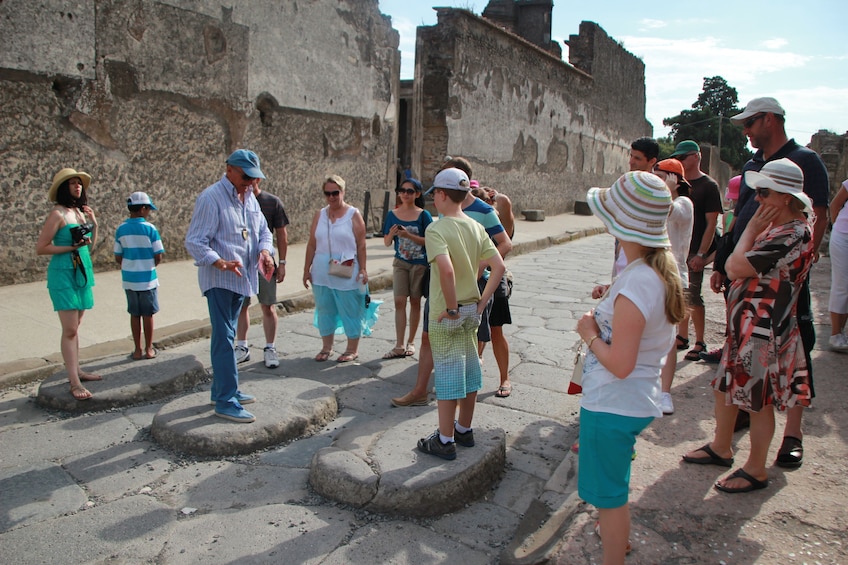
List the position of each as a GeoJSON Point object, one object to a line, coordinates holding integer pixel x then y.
{"type": "Point", "coordinates": [270, 346]}
{"type": "Point", "coordinates": [242, 342]}
{"type": "Point", "coordinates": [445, 440]}
{"type": "Point", "coordinates": [460, 429]}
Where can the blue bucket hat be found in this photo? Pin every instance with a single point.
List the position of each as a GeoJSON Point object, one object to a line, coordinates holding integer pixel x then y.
{"type": "Point", "coordinates": [247, 161]}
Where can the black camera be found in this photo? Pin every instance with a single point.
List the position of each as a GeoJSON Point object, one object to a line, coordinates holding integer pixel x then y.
{"type": "Point", "coordinates": [79, 233]}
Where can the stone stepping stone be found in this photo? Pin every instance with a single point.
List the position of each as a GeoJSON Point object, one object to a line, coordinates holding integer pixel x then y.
{"type": "Point", "coordinates": [285, 409]}
{"type": "Point", "coordinates": [381, 470]}
{"type": "Point", "coordinates": [125, 382]}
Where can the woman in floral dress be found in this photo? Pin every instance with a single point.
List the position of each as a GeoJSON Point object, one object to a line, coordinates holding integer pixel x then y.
{"type": "Point", "coordinates": [763, 364]}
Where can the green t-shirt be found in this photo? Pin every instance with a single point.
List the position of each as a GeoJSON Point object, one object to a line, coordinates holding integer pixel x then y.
{"type": "Point", "coordinates": [467, 244]}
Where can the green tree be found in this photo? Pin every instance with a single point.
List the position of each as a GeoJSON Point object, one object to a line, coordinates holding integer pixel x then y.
{"type": "Point", "coordinates": [711, 111]}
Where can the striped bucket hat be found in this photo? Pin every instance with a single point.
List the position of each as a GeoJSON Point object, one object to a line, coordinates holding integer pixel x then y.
{"type": "Point", "coordinates": [634, 208]}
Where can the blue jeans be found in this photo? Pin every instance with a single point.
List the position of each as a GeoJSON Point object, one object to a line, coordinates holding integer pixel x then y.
{"type": "Point", "coordinates": [224, 307]}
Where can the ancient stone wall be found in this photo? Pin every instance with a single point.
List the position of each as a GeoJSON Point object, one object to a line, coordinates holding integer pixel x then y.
{"type": "Point", "coordinates": [153, 95]}
{"type": "Point", "coordinates": [540, 129]}
{"type": "Point", "coordinates": [833, 150]}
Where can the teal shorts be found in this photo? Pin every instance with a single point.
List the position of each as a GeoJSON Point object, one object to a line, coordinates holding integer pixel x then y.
{"type": "Point", "coordinates": [606, 447]}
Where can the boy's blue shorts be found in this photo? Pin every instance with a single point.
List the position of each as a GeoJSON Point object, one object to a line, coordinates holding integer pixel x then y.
{"type": "Point", "coordinates": [142, 302]}
{"type": "Point", "coordinates": [606, 448]}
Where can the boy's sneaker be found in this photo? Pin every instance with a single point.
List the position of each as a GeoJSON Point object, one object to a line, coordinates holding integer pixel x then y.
{"type": "Point", "coordinates": [434, 446]}
{"type": "Point", "coordinates": [242, 354]}
{"type": "Point", "coordinates": [839, 342]}
{"type": "Point", "coordinates": [666, 404]}
{"type": "Point", "coordinates": [713, 357]}
{"type": "Point", "coordinates": [464, 439]}
{"type": "Point", "coordinates": [271, 360]}
{"type": "Point", "coordinates": [235, 413]}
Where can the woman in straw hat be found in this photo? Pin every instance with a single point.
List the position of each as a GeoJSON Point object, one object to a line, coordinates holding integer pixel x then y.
{"type": "Point", "coordinates": [621, 376]}
{"type": "Point", "coordinates": [763, 365]}
{"type": "Point", "coordinates": [68, 232]}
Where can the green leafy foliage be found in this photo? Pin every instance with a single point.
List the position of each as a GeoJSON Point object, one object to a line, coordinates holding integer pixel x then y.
{"type": "Point", "coordinates": [711, 111]}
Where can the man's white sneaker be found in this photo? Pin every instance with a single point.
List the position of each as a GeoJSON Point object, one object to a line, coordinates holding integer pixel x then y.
{"type": "Point", "coordinates": [271, 360]}
{"type": "Point", "coordinates": [666, 404]}
{"type": "Point", "coordinates": [242, 354]}
{"type": "Point", "coordinates": [839, 342]}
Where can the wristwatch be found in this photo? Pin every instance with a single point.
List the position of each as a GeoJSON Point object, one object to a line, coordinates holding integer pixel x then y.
{"type": "Point", "coordinates": [702, 255]}
{"type": "Point", "coordinates": [282, 262]}
{"type": "Point", "coordinates": [452, 312]}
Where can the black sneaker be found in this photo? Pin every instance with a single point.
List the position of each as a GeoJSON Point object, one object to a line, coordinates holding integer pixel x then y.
{"type": "Point", "coordinates": [434, 446]}
{"type": "Point", "coordinates": [464, 439]}
{"type": "Point", "coordinates": [713, 357]}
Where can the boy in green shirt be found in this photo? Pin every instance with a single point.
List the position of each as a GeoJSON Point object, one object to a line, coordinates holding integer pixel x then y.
{"type": "Point", "coordinates": [458, 248]}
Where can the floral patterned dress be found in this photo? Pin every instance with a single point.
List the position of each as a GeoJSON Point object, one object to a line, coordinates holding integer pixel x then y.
{"type": "Point", "coordinates": [763, 360]}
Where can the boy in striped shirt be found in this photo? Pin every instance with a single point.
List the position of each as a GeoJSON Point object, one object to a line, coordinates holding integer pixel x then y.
{"type": "Point", "coordinates": [138, 249]}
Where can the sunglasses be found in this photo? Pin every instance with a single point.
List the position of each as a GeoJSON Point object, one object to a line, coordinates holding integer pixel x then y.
{"type": "Point", "coordinates": [405, 191]}
{"type": "Point", "coordinates": [762, 192]}
{"type": "Point", "coordinates": [752, 120]}
{"type": "Point", "coordinates": [247, 178]}
{"type": "Point", "coordinates": [333, 193]}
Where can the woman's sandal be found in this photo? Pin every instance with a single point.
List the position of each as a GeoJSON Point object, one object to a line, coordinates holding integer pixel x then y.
{"type": "Point", "coordinates": [693, 354]}
{"type": "Point", "coordinates": [347, 356]}
{"type": "Point", "coordinates": [323, 355]}
{"type": "Point", "coordinates": [395, 353]}
{"type": "Point", "coordinates": [682, 342]}
{"type": "Point", "coordinates": [410, 349]}
{"type": "Point", "coordinates": [79, 392]}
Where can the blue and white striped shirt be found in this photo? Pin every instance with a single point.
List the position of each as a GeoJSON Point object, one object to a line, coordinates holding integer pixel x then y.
{"type": "Point", "coordinates": [137, 242]}
{"type": "Point", "coordinates": [222, 227]}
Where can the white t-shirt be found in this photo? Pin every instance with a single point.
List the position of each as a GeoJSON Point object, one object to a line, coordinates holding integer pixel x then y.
{"type": "Point", "coordinates": [637, 395]}
{"type": "Point", "coordinates": [679, 226]}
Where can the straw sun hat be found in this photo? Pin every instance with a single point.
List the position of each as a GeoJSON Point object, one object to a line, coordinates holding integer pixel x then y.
{"type": "Point", "coordinates": [62, 176]}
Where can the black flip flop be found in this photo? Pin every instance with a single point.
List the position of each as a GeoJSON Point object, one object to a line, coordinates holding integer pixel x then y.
{"type": "Point", "coordinates": [754, 484]}
{"type": "Point", "coordinates": [711, 459]}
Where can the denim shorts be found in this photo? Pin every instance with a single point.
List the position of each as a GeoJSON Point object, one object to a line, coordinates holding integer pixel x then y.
{"type": "Point", "coordinates": [142, 302]}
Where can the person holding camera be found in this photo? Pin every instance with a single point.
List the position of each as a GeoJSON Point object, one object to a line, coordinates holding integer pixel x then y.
{"type": "Point", "coordinates": [68, 232]}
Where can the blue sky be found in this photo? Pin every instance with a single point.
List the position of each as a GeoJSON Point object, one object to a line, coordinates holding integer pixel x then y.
{"type": "Point", "coordinates": [794, 51]}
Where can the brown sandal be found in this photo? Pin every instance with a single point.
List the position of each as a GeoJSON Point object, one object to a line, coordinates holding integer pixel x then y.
{"type": "Point", "coordinates": [79, 392]}
{"type": "Point", "coordinates": [323, 355]}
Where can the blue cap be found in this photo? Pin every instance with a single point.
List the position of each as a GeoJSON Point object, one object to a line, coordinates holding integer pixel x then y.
{"type": "Point", "coordinates": [247, 161]}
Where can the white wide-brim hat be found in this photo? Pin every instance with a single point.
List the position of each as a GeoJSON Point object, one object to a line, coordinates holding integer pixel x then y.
{"type": "Point", "coordinates": [635, 208]}
{"type": "Point", "coordinates": [783, 176]}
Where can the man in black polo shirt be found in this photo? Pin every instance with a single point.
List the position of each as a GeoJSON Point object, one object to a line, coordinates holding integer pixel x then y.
{"type": "Point", "coordinates": [763, 122]}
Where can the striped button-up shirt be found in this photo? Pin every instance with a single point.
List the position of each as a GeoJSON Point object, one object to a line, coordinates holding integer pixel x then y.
{"type": "Point", "coordinates": [222, 227]}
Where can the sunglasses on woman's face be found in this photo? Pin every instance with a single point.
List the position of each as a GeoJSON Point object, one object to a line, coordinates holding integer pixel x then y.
{"type": "Point", "coordinates": [762, 192]}
{"type": "Point", "coordinates": [405, 191]}
{"type": "Point", "coordinates": [333, 193]}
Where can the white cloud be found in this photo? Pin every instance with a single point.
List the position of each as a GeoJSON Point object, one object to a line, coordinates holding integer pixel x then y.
{"type": "Point", "coordinates": [649, 24]}
{"type": "Point", "coordinates": [775, 43]}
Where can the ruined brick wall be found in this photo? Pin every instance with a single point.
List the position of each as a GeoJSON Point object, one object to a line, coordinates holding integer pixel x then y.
{"type": "Point", "coordinates": [153, 95]}
{"type": "Point", "coordinates": [541, 130]}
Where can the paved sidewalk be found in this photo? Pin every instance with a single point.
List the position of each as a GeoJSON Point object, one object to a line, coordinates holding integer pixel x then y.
{"type": "Point", "coordinates": [30, 330]}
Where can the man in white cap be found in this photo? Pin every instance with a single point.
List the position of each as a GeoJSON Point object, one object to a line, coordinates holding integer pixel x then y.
{"type": "Point", "coordinates": [228, 238]}
{"type": "Point", "coordinates": [763, 123]}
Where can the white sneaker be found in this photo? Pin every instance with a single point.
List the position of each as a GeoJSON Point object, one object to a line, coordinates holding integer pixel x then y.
{"type": "Point", "coordinates": [666, 404]}
{"type": "Point", "coordinates": [271, 360]}
{"type": "Point", "coordinates": [242, 354]}
{"type": "Point", "coordinates": [839, 342]}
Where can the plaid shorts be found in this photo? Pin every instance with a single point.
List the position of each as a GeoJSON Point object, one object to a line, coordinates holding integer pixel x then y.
{"type": "Point", "coordinates": [454, 344]}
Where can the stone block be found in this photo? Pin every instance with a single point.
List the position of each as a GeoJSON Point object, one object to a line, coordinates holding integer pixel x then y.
{"type": "Point", "coordinates": [534, 215]}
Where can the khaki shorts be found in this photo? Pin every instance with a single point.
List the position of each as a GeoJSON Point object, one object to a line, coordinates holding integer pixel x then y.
{"type": "Point", "coordinates": [408, 278]}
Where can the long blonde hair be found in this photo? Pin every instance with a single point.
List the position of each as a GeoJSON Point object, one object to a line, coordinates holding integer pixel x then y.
{"type": "Point", "coordinates": [662, 261]}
